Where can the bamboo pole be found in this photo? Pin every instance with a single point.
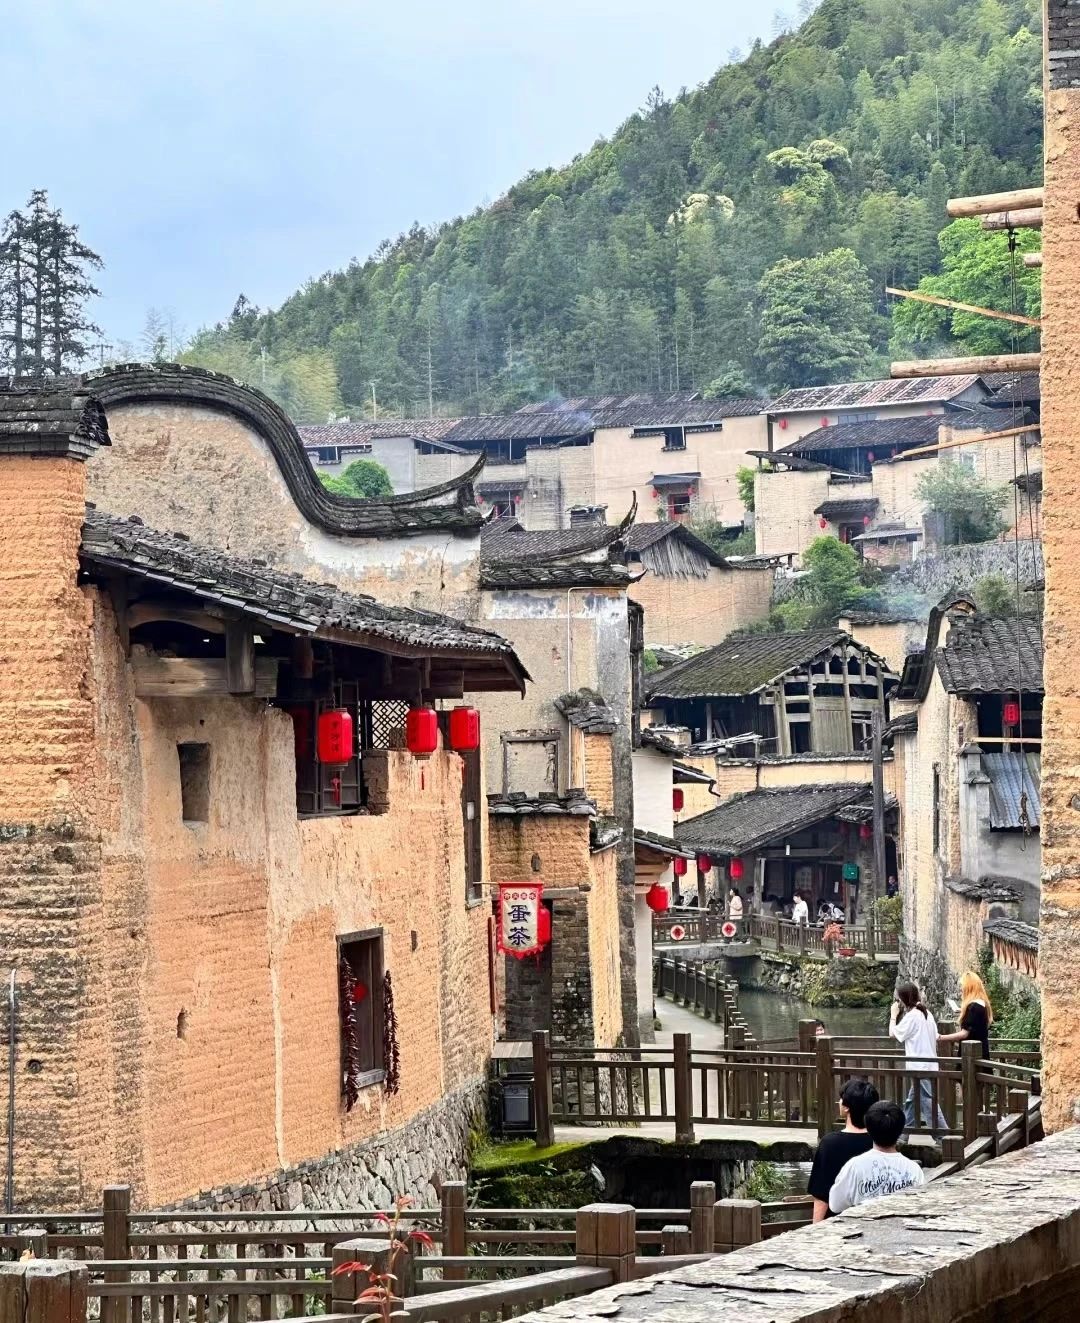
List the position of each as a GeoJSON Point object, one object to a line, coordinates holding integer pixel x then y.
{"type": "Point", "coordinates": [1033, 259]}
{"type": "Point", "coordinates": [961, 367]}
{"type": "Point", "coordinates": [963, 307]}
{"type": "Point", "coordinates": [1026, 218]}
{"type": "Point", "coordinates": [987, 203]}
{"type": "Point", "coordinates": [967, 440]}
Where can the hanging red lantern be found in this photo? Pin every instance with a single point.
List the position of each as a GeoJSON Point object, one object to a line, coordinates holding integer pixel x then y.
{"type": "Point", "coordinates": [334, 738]}
{"type": "Point", "coordinates": [359, 992]}
{"type": "Point", "coordinates": [865, 831]}
{"type": "Point", "coordinates": [678, 866]}
{"type": "Point", "coordinates": [677, 800]}
{"type": "Point", "coordinates": [422, 731]}
{"type": "Point", "coordinates": [735, 868]}
{"type": "Point", "coordinates": [657, 898]}
{"type": "Point", "coordinates": [704, 862]}
{"type": "Point", "coordinates": [464, 729]}
{"type": "Point", "coordinates": [783, 424]}
{"type": "Point", "coordinates": [1012, 714]}
{"type": "Point", "coordinates": [824, 422]}
{"type": "Point", "coordinates": [543, 925]}
{"type": "Point", "coordinates": [823, 522]}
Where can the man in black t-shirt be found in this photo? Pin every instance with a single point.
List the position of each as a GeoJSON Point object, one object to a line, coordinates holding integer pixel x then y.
{"type": "Point", "coordinates": [856, 1098]}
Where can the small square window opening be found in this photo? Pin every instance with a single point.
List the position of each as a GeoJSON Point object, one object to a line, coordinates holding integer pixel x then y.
{"type": "Point", "coordinates": [194, 782]}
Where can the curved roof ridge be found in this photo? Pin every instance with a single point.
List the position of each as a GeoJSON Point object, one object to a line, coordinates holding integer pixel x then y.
{"type": "Point", "coordinates": [409, 512]}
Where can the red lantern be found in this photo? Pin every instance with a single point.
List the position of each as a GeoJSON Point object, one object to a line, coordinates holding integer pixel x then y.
{"type": "Point", "coordinates": [657, 898]}
{"type": "Point", "coordinates": [823, 522]}
{"type": "Point", "coordinates": [783, 424]}
{"type": "Point", "coordinates": [334, 739]}
{"type": "Point", "coordinates": [736, 869]}
{"type": "Point", "coordinates": [1012, 714]}
{"type": "Point", "coordinates": [866, 521]}
{"type": "Point", "coordinates": [870, 456]}
{"type": "Point", "coordinates": [704, 862]}
{"type": "Point", "coordinates": [678, 866]}
{"type": "Point", "coordinates": [422, 731]}
{"type": "Point", "coordinates": [464, 729]}
{"type": "Point", "coordinates": [824, 422]}
{"type": "Point", "coordinates": [543, 925]}
{"type": "Point", "coordinates": [359, 992]}
{"type": "Point", "coordinates": [677, 800]}
{"type": "Point", "coordinates": [865, 831]}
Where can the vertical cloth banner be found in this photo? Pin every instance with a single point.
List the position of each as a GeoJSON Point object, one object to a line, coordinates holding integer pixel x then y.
{"type": "Point", "coordinates": [519, 918]}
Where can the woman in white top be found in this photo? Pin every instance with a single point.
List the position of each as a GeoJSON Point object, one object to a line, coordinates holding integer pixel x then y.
{"type": "Point", "coordinates": [800, 911]}
{"type": "Point", "coordinates": [912, 1024]}
{"type": "Point", "coordinates": [735, 905]}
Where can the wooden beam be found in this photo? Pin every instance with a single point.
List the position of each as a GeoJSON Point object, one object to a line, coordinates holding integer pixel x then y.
{"type": "Point", "coordinates": [962, 367]}
{"type": "Point", "coordinates": [986, 203]}
{"type": "Point", "coordinates": [240, 657]}
{"type": "Point", "coordinates": [1029, 218]}
{"type": "Point", "coordinates": [963, 307]}
{"type": "Point", "coordinates": [1033, 259]}
{"type": "Point", "coordinates": [303, 657]}
{"type": "Point", "coordinates": [196, 677]}
{"type": "Point", "coordinates": [149, 611]}
{"type": "Point", "coordinates": [971, 440]}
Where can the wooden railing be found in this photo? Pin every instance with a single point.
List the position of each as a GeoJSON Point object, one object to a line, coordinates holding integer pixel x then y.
{"type": "Point", "coordinates": [768, 931]}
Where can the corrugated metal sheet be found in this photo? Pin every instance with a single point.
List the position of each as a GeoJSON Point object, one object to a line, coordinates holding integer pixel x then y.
{"type": "Point", "coordinates": [1011, 772]}
{"type": "Point", "coordinates": [863, 394]}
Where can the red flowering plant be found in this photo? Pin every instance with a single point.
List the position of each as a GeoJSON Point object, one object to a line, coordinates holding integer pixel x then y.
{"type": "Point", "coordinates": [379, 1292]}
{"type": "Point", "coordinates": [832, 935]}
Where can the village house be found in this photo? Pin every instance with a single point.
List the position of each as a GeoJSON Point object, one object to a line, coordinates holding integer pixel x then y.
{"type": "Point", "coordinates": [690, 593]}
{"type": "Point", "coordinates": [809, 692]}
{"type": "Point", "coordinates": [677, 452]}
{"type": "Point", "coordinates": [969, 786]}
{"type": "Point", "coordinates": [249, 926]}
{"type": "Point", "coordinates": [561, 767]}
{"type": "Point", "coordinates": [393, 443]}
{"type": "Point", "coordinates": [856, 476]}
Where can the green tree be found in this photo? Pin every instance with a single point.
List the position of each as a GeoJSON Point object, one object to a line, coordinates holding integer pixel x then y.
{"type": "Point", "coordinates": [831, 585]}
{"type": "Point", "coordinates": [970, 505]}
{"type": "Point", "coordinates": [364, 479]}
{"type": "Point", "coordinates": [744, 478]}
{"type": "Point", "coordinates": [977, 268]}
{"type": "Point", "coordinates": [817, 316]}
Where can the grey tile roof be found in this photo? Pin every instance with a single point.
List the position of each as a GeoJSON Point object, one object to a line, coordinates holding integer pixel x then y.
{"type": "Point", "coordinates": [742, 664]}
{"type": "Point", "coordinates": [587, 556]}
{"type": "Point", "coordinates": [1013, 930]}
{"type": "Point", "coordinates": [986, 888]}
{"type": "Point", "coordinates": [653, 840]}
{"type": "Point", "coordinates": [587, 711]}
{"type": "Point", "coordinates": [680, 408]}
{"type": "Point", "coordinates": [1012, 773]}
{"type": "Point", "coordinates": [845, 508]}
{"type": "Point", "coordinates": [984, 418]}
{"type": "Point", "coordinates": [570, 574]}
{"type": "Point", "coordinates": [50, 417]}
{"type": "Point", "coordinates": [761, 816]}
{"type": "Point", "coordinates": [388, 516]}
{"type": "Point", "coordinates": [640, 537]}
{"type": "Point", "coordinates": [573, 804]}
{"type": "Point", "coordinates": [285, 599]}
{"type": "Point", "coordinates": [987, 655]}
{"type": "Point", "coordinates": [507, 540]}
{"type": "Point", "coordinates": [871, 394]}
{"type": "Point", "coordinates": [788, 460]}
{"type": "Point", "coordinates": [365, 431]}
{"type": "Point", "coordinates": [878, 433]}
{"type": "Point", "coordinates": [1019, 388]}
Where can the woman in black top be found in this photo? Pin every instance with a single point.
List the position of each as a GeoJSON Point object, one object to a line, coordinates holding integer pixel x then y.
{"type": "Point", "coordinates": [976, 1015]}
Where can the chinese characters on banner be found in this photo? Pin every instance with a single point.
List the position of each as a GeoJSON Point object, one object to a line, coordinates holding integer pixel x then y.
{"type": "Point", "coordinates": [519, 918]}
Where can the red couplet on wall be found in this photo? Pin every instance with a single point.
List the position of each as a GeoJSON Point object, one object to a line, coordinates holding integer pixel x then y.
{"type": "Point", "coordinates": [1011, 714]}
{"type": "Point", "coordinates": [334, 741]}
{"type": "Point", "coordinates": [464, 729]}
{"type": "Point", "coordinates": [422, 731]}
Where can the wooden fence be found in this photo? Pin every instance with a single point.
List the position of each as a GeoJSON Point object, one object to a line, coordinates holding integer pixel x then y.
{"type": "Point", "coordinates": [768, 931]}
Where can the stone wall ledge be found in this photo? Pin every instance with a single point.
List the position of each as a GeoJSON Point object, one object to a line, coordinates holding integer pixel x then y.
{"type": "Point", "coordinates": [998, 1242]}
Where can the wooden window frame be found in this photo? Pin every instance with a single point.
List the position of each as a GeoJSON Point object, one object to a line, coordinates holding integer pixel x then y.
{"type": "Point", "coordinates": [365, 954]}
{"type": "Point", "coordinates": [472, 828]}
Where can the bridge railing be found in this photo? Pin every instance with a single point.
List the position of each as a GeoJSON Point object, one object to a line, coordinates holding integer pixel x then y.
{"type": "Point", "coordinates": [769, 931]}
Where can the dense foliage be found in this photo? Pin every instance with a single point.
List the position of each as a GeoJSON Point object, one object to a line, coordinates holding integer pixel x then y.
{"type": "Point", "coordinates": [362, 480]}
{"type": "Point", "coordinates": [741, 233]}
{"type": "Point", "coordinates": [970, 505]}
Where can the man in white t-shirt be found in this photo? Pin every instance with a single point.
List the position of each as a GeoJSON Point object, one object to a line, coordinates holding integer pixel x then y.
{"type": "Point", "coordinates": [881, 1171]}
{"type": "Point", "coordinates": [800, 911]}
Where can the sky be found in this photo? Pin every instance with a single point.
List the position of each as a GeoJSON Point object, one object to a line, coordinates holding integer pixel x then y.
{"type": "Point", "coordinates": [207, 149]}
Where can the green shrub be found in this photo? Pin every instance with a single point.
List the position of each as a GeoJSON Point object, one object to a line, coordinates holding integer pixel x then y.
{"type": "Point", "coordinates": [766, 1181]}
{"type": "Point", "coordinates": [889, 913]}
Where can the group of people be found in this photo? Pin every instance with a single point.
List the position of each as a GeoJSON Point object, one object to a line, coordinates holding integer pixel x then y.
{"type": "Point", "coordinates": [861, 1162]}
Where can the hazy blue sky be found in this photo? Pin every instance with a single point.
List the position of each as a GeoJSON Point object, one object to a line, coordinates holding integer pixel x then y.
{"type": "Point", "coordinates": [207, 148]}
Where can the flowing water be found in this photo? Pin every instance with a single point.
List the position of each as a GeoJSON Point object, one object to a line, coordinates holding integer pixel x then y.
{"type": "Point", "coordinates": [771, 1015]}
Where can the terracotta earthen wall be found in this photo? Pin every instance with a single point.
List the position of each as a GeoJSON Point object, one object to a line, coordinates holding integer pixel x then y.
{"type": "Point", "coordinates": [208, 475]}
{"type": "Point", "coordinates": [1060, 919]}
{"type": "Point", "coordinates": [603, 921]}
{"type": "Point", "coordinates": [598, 783]}
{"type": "Point", "coordinates": [703, 611]}
{"type": "Point", "coordinates": [893, 641]}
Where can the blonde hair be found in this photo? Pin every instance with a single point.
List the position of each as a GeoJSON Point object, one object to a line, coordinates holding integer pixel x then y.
{"type": "Point", "coordinates": [973, 989]}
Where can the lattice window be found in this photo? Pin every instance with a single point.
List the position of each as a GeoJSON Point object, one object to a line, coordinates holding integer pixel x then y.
{"type": "Point", "coordinates": [388, 723]}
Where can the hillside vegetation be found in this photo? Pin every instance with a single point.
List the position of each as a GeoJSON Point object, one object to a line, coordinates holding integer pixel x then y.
{"type": "Point", "coordinates": [738, 236]}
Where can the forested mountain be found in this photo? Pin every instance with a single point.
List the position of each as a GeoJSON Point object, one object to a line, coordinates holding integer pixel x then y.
{"type": "Point", "coordinates": [739, 235]}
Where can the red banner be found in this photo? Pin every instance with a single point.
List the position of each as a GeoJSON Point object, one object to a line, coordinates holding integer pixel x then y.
{"type": "Point", "coordinates": [519, 918]}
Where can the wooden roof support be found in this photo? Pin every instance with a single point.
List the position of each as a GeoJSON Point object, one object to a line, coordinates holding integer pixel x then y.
{"type": "Point", "coordinates": [969, 440]}
{"type": "Point", "coordinates": [987, 203]}
{"type": "Point", "coordinates": [962, 367]}
{"type": "Point", "coordinates": [963, 307]}
{"type": "Point", "coordinates": [1025, 218]}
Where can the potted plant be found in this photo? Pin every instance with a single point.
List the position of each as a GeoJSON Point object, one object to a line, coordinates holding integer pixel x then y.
{"type": "Point", "coordinates": [833, 936]}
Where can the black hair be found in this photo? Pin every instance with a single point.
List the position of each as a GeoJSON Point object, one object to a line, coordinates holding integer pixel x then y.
{"type": "Point", "coordinates": [908, 996]}
{"type": "Point", "coordinates": [858, 1096]}
{"type": "Point", "coordinates": [885, 1123]}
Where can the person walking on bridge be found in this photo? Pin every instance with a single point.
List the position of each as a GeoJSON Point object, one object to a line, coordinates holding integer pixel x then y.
{"type": "Point", "coordinates": [837, 1149]}
{"type": "Point", "coordinates": [883, 1170]}
{"type": "Point", "coordinates": [976, 1014]}
{"type": "Point", "coordinates": [912, 1024]}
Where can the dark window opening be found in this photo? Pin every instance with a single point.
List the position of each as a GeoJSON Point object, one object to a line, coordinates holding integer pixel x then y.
{"type": "Point", "coordinates": [801, 737]}
{"type": "Point", "coordinates": [861, 731]}
{"type": "Point", "coordinates": [360, 985]}
{"type": "Point", "coordinates": [505, 507]}
{"type": "Point", "coordinates": [674, 438]}
{"type": "Point", "coordinates": [328, 455]}
{"type": "Point", "coordinates": [471, 823]}
{"type": "Point", "coordinates": [679, 502]}
{"type": "Point", "coordinates": [194, 781]}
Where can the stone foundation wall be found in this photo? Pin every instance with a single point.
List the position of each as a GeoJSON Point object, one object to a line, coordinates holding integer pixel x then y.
{"type": "Point", "coordinates": [414, 1160]}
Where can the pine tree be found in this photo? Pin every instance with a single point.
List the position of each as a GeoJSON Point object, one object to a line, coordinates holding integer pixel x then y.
{"type": "Point", "coordinates": [44, 286]}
